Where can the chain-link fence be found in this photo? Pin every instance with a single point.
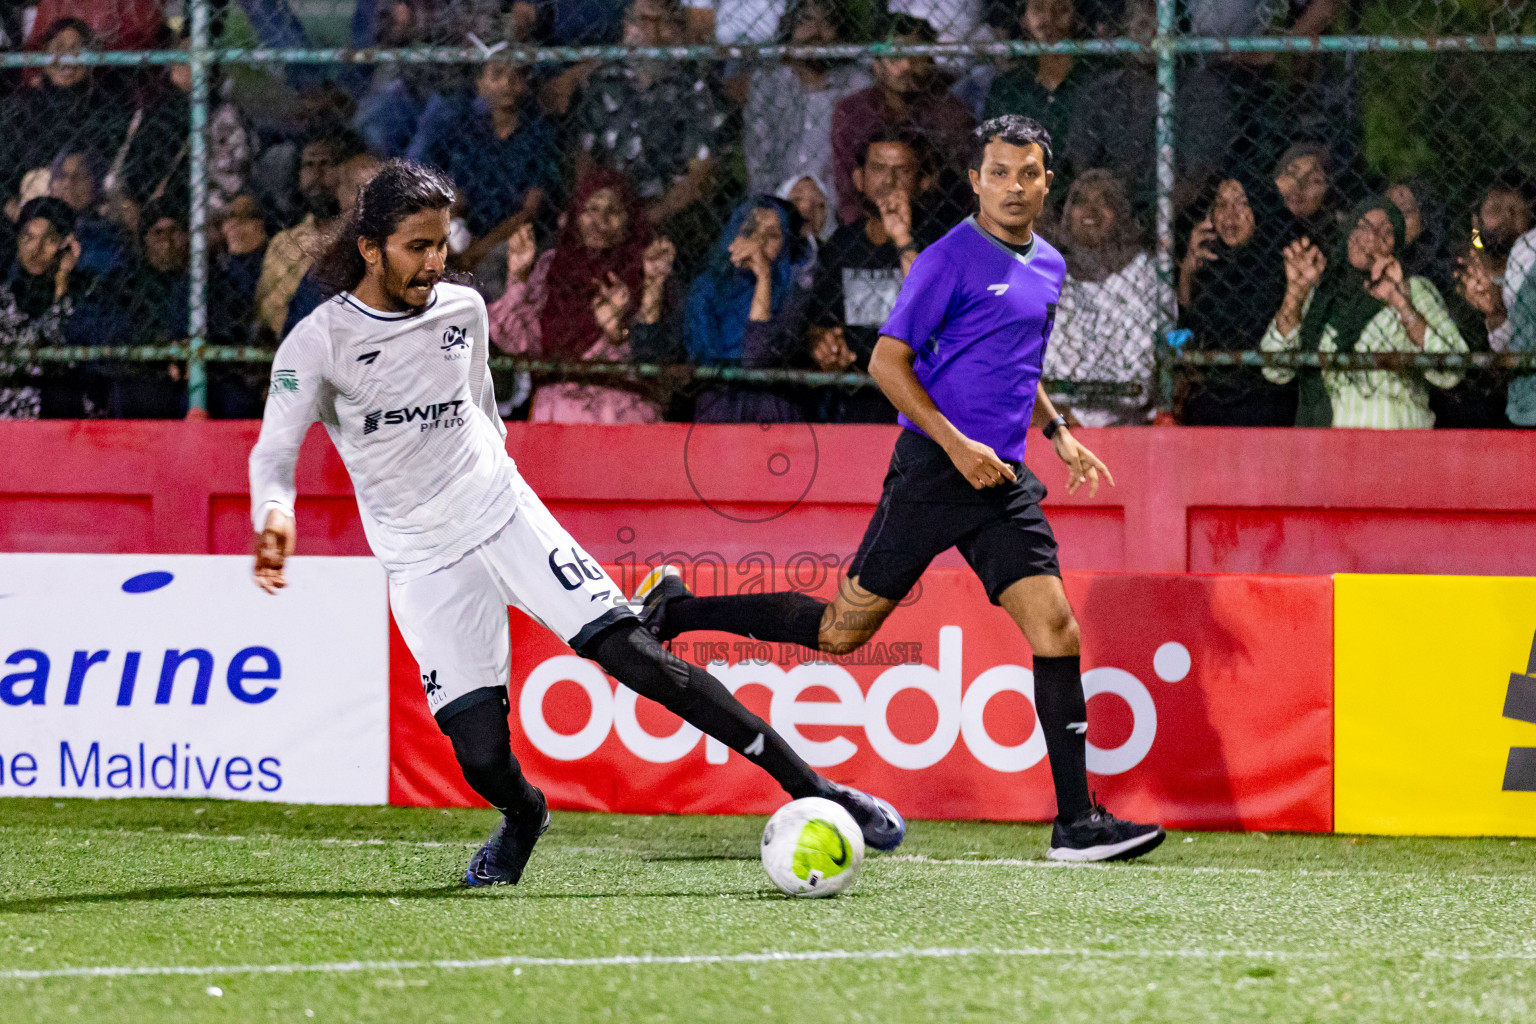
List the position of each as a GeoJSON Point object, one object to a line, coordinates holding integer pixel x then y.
{"type": "Point", "coordinates": [1317, 211]}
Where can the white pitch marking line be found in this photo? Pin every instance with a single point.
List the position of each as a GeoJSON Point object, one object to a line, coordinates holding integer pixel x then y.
{"type": "Point", "coordinates": [1008, 862]}
{"type": "Point", "coordinates": [790, 956]}
{"type": "Point", "coordinates": [260, 837]}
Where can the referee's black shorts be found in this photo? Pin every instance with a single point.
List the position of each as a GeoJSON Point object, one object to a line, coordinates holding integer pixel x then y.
{"type": "Point", "coordinates": [928, 507]}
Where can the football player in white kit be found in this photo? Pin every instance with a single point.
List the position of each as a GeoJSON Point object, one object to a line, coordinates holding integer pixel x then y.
{"type": "Point", "coordinates": [394, 365]}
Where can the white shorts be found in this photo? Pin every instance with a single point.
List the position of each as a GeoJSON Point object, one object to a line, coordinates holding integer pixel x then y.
{"type": "Point", "coordinates": [454, 620]}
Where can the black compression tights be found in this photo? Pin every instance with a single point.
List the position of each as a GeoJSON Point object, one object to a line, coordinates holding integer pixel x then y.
{"type": "Point", "coordinates": [634, 657]}
{"type": "Point", "coordinates": [482, 742]}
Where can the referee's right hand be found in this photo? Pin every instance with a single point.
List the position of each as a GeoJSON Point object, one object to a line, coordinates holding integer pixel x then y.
{"type": "Point", "coordinates": [979, 464]}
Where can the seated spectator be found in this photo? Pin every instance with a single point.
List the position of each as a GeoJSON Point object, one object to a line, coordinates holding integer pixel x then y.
{"type": "Point", "coordinates": [35, 300]}
{"type": "Point", "coordinates": [1305, 180]}
{"type": "Point", "coordinates": [909, 95]}
{"type": "Point", "coordinates": [1425, 252]}
{"type": "Point", "coordinates": [1108, 310]}
{"type": "Point", "coordinates": [351, 176]}
{"type": "Point", "coordinates": [501, 153]}
{"type": "Point", "coordinates": [863, 264]}
{"type": "Point", "coordinates": [241, 232]}
{"type": "Point", "coordinates": [76, 179]}
{"type": "Point", "coordinates": [1507, 302]}
{"type": "Point", "coordinates": [1115, 126]}
{"type": "Point", "coordinates": [812, 199]}
{"type": "Point", "coordinates": [601, 294]}
{"type": "Point", "coordinates": [1478, 401]}
{"type": "Point", "coordinates": [151, 301]}
{"type": "Point", "coordinates": [734, 21]}
{"type": "Point", "coordinates": [808, 198]}
{"type": "Point", "coordinates": [1048, 87]}
{"type": "Point", "coordinates": [390, 106]}
{"type": "Point", "coordinates": [788, 120]}
{"type": "Point", "coordinates": [65, 110]}
{"type": "Point", "coordinates": [1229, 281]}
{"type": "Point", "coordinates": [156, 159]}
{"type": "Point", "coordinates": [580, 22]}
{"type": "Point", "coordinates": [291, 252]}
{"type": "Point", "coordinates": [655, 121]}
{"type": "Point", "coordinates": [1503, 216]}
{"type": "Point", "coordinates": [1359, 300]}
{"type": "Point", "coordinates": [117, 24]}
{"type": "Point", "coordinates": [236, 390]}
{"type": "Point", "coordinates": [745, 310]}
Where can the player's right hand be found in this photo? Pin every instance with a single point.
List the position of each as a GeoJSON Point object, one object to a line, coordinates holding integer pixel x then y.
{"type": "Point", "coordinates": [979, 464]}
{"type": "Point", "coordinates": [273, 546]}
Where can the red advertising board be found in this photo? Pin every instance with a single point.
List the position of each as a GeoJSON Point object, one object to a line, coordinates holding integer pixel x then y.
{"type": "Point", "coordinates": [1210, 706]}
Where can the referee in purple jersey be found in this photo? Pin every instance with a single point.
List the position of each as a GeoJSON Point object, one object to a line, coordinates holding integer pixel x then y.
{"type": "Point", "coordinates": [960, 358]}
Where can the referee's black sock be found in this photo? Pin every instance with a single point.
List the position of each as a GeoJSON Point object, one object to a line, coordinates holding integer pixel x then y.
{"type": "Point", "coordinates": [1063, 714]}
{"type": "Point", "coordinates": [784, 617]}
{"type": "Point", "coordinates": [482, 742]}
{"type": "Point", "coordinates": [631, 655]}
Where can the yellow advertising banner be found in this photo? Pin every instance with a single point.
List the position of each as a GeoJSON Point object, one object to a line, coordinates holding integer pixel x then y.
{"type": "Point", "coordinates": [1435, 705]}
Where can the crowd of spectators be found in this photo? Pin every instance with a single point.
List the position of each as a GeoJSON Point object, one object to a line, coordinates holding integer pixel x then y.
{"type": "Point", "coordinates": [593, 195]}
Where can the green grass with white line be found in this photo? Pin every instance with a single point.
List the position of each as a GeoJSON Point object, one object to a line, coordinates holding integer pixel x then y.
{"type": "Point", "coordinates": [140, 910]}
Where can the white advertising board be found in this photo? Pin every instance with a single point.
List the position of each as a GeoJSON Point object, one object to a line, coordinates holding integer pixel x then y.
{"type": "Point", "coordinates": [174, 675]}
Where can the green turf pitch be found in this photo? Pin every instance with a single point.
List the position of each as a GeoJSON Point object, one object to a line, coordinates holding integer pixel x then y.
{"type": "Point", "coordinates": [355, 914]}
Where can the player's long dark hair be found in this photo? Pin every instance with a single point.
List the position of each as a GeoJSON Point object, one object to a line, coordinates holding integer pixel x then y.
{"type": "Point", "coordinates": [400, 189]}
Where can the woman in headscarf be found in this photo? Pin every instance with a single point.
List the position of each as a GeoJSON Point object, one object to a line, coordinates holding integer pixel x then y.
{"type": "Point", "coordinates": [1360, 300]}
{"type": "Point", "coordinates": [1102, 339]}
{"type": "Point", "coordinates": [36, 299]}
{"type": "Point", "coordinates": [807, 200]}
{"type": "Point", "coordinates": [1477, 401]}
{"type": "Point", "coordinates": [746, 310]}
{"type": "Point", "coordinates": [599, 295]}
{"type": "Point", "coordinates": [1229, 280]}
{"type": "Point", "coordinates": [1425, 251]}
{"type": "Point", "coordinates": [69, 106]}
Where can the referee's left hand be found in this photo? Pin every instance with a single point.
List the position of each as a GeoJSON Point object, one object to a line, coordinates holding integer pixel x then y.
{"type": "Point", "coordinates": [1082, 465]}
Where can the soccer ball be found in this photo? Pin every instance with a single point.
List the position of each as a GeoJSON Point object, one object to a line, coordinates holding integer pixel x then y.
{"type": "Point", "coordinates": [812, 847]}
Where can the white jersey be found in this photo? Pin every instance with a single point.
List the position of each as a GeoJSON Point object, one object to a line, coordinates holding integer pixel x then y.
{"type": "Point", "coordinates": [408, 402]}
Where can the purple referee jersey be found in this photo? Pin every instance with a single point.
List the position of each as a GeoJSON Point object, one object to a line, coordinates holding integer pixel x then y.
{"type": "Point", "coordinates": [979, 314]}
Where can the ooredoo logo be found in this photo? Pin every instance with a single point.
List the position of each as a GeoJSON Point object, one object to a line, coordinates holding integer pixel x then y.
{"type": "Point", "coordinates": [961, 711]}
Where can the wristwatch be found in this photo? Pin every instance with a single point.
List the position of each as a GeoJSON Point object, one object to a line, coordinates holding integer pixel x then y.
{"type": "Point", "coordinates": [1049, 430]}
{"type": "Point", "coordinates": [912, 247]}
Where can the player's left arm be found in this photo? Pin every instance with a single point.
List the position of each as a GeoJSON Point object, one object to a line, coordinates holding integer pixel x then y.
{"type": "Point", "coordinates": [1082, 465]}
{"type": "Point", "coordinates": [482, 390]}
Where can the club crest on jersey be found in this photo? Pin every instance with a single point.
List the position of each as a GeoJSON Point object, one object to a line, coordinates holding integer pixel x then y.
{"type": "Point", "coordinates": [455, 343]}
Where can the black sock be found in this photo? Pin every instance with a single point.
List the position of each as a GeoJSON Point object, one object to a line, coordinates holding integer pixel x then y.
{"type": "Point", "coordinates": [633, 657]}
{"type": "Point", "coordinates": [482, 742]}
{"type": "Point", "coordinates": [1063, 714]}
{"type": "Point", "coordinates": [784, 617]}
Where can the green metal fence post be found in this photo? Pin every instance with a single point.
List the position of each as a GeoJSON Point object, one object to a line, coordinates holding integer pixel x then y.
{"type": "Point", "coordinates": [1166, 306]}
{"type": "Point", "coordinates": [197, 300]}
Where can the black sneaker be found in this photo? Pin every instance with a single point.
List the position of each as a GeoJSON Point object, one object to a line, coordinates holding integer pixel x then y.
{"type": "Point", "coordinates": [502, 859]}
{"type": "Point", "coordinates": [883, 827]}
{"type": "Point", "coordinates": [661, 585]}
{"type": "Point", "coordinates": [1098, 835]}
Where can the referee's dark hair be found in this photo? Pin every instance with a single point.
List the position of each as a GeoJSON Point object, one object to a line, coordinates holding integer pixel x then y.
{"type": "Point", "coordinates": [400, 189]}
{"type": "Point", "coordinates": [1014, 129]}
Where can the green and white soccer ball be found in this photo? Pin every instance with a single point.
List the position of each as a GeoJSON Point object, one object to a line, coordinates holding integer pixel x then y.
{"type": "Point", "coordinates": [812, 847]}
